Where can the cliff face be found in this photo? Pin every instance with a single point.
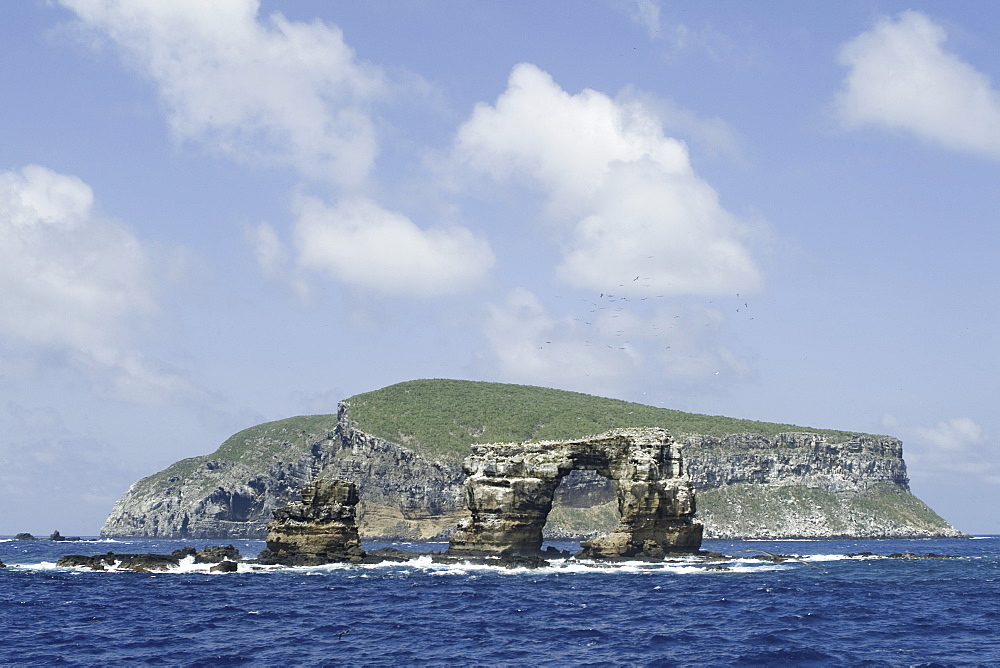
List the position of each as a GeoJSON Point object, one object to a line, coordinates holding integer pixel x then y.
{"type": "Point", "coordinates": [791, 485]}
{"type": "Point", "coordinates": [233, 492]}
{"type": "Point", "coordinates": [804, 485]}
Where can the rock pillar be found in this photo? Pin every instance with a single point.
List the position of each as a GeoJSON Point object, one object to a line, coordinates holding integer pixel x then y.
{"type": "Point", "coordinates": [319, 530]}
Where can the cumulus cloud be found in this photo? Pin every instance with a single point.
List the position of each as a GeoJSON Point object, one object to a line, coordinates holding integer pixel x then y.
{"type": "Point", "coordinates": [66, 273]}
{"type": "Point", "coordinates": [252, 88]}
{"type": "Point", "coordinates": [283, 91]}
{"type": "Point", "coordinates": [365, 246]}
{"type": "Point", "coordinates": [901, 77]}
{"type": "Point", "coordinates": [624, 194]}
{"type": "Point", "coordinates": [73, 280]}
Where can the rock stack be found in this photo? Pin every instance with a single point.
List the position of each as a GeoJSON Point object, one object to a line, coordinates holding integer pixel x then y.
{"type": "Point", "coordinates": [319, 530]}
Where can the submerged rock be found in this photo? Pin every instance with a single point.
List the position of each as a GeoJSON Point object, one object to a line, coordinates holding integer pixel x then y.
{"type": "Point", "coordinates": [144, 563]}
{"type": "Point", "coordinates": [141, 563]}
{"type": "Point", "coordinates": [58, 537]}
{"type": "Point", "coordinates": [320, 529]}
{"type": "Point", "coordinates": [225, 567]}
{"type": "Point", "coordinates": [929, 555]}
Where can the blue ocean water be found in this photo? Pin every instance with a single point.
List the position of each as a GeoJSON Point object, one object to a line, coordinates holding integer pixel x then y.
{"type": "Point", "coordinates": [827, 609]}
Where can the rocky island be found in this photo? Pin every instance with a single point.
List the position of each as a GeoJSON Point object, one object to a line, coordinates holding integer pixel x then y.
{"type": "Point", "coordinates": [403, 447]}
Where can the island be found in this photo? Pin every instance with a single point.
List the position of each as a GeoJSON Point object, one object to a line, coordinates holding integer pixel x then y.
{"type": "Point", "coordinates": [404, 446]}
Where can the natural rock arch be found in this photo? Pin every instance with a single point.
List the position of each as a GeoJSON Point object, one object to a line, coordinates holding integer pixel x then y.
{"type": "Point", "coordinates": [510, 487]}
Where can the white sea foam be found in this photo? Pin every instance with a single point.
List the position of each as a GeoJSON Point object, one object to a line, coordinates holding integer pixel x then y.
{"type": "Point", "coordinates": [40, 566]}
{"type": "Point", "coordinates": [424, 563]}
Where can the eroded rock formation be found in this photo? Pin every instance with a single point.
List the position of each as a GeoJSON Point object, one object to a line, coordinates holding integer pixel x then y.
{"type": "Point", "coordinates": [802, 485]}
{"type": "Point", "coordinates": [320, 529]}
{"type": "Point", "coordinates": [406, 496]}
{"type": "Point", "coordinates": [510, 488]}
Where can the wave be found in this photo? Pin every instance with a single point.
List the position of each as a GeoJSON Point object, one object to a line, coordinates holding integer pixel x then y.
{"type": "Point", "coordinates": [426, 564]}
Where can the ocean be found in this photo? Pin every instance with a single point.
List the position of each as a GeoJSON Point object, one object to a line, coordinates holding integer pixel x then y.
{"type": "Point", "coordinates": [825, 608]}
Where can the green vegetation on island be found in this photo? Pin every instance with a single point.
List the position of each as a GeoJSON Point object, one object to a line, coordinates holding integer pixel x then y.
{"type": "Point", "coordinates": [442, 418]}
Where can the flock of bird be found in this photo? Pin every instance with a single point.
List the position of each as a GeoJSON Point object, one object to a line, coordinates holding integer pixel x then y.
{"type": "Point", "coordinates": [608, 306]}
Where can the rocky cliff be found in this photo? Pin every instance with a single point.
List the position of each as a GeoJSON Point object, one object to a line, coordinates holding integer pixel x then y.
{"type": "Point", "coordinates": [806, 485]}
{"type": "Point", "coordinates": [233, 491]}
{"type": "Point", "coordinates": [748, 485]}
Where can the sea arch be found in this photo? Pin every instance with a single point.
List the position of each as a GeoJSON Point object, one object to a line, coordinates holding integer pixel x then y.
{"type": "Point", "coordinates": [510, 487]}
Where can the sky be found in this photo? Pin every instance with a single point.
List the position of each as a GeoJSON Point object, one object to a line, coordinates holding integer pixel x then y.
{"type": "Point", "coordinates": [218, 214]}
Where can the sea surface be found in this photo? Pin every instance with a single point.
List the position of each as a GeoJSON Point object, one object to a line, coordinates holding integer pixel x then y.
{"type": "Point", "coordinates": [824, 608]}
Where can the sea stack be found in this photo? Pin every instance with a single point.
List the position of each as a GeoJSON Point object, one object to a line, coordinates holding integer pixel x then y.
{"type": "Point", "coordinates": [318, 530]}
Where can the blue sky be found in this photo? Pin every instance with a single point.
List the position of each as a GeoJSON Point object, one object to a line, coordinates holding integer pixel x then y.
{"type": "Point", "coordinates": [218, 214]}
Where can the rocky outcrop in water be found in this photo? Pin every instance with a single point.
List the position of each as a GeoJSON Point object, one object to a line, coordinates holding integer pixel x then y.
{"type": "Point", "coordinates": [58, 537]}
{"type": "Point", "coordinates": [145, 563]}
{"type": "Point", "coordinates": [318, 530]}
{"type": "Point", "coordinates": [790, 485]}
{"type": "Point", "coordinates": [510, 489]}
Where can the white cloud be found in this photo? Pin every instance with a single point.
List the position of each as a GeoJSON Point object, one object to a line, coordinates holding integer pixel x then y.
{"type": "Point", "coordinates": [279, 90]}
{"type": "Point", "coordinates": [528, 345]}
{"type": "Point", "coordinates": [902, 78]}
{"type": "Point", "coordinates": [626, 196]}
{"type": "Point", "coordinates": [269, 89]}
{"type": "Point", "coordinates": [72, 281]}
{"type": "Point", "coordinates": [957, 445]}
{"type": "Point", "coordinates": [610, 349]}
{"type": "Point", "coordinates": [67, 275]}
{"type": "Point", "coordinates": [646, 14]}
{"type": "Point", "coordinates": [268, 249]}
{"type": "Point", "coordinates": [365, 246]}
{"type": "Point", "coordinates": [679, 38]}
{"type": "Point", "coordinates": [952, 435]}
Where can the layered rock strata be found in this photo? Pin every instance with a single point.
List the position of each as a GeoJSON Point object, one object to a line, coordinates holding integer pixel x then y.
{"type": "Point", "coordinates": [749, 486]}
{"type": "Point", "coordinates": [320, 529]}
{"type": "Point", "coordinates": [232, 493]}
{"type": "Point", "coordinates": [510, 489]}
